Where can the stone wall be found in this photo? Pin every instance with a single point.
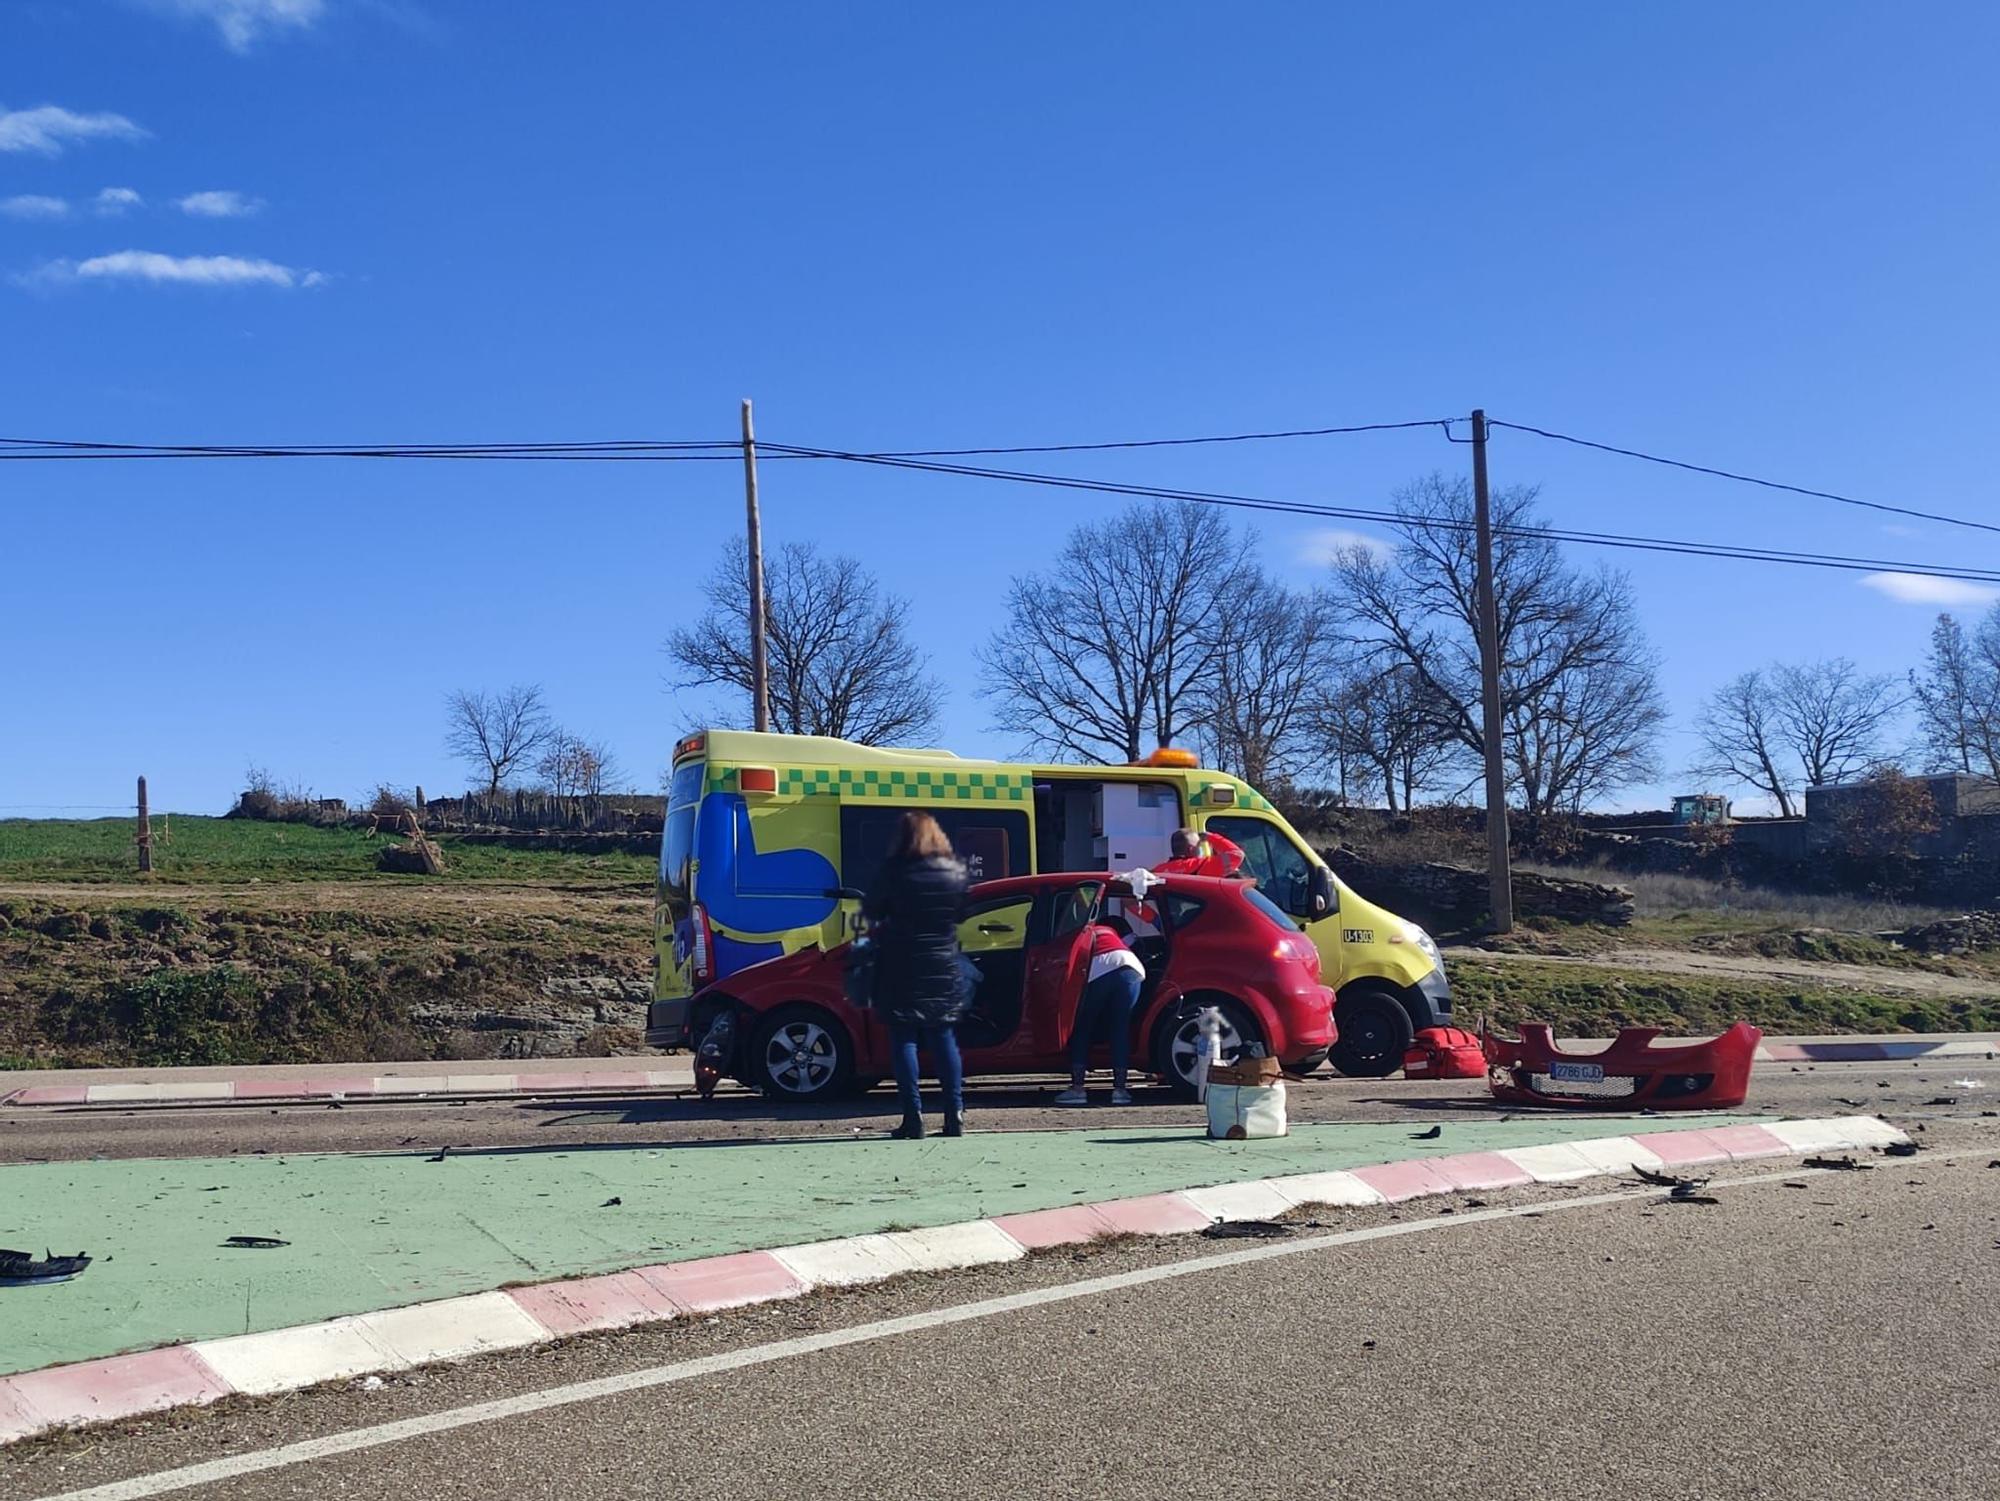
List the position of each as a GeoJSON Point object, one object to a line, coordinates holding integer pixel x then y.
{"type": "Point", "coordinates": [1448, 898]}
{"type": "Point", "coordinates": [1954, 935]}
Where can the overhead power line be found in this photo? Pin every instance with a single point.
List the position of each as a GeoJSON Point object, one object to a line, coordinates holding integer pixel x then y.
{"type": "Point", "coordinates": [618, 449]}
{"type": "Point", "coordinates": [931, 460]}
{"type": "Point", "coordinates": [1442, 423]}
{"type": "Point", "coordinates": [1747, 479]}
{"type": "Point", "coordinates": [1391, 518]}
{"type": "Point", "coordinates": [35, 448]}
{"type": "Point", "coordinates": [728, 450]}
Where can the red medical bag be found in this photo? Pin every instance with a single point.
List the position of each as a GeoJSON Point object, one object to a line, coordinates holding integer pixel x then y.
{"type": "Point", "coordinates": [1444, 1053]}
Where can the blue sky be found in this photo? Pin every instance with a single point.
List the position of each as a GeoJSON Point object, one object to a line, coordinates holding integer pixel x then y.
{"type": "Point", "coordinates": [1755, 236]}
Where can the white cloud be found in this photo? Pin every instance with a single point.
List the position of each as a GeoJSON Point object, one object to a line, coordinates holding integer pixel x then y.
{"type": "Point", "coordinates": [111, 202]}
{"type": "Point", "coordinates": [184, 270]}
{"type": "Point", "coordinates": [47, 128]}
{"type": "Point", "coordinates": [34, 206]}
{"type": "Point", "coordinates": [1323, 546]}
{"type": "Point", "coordinates": [1922, 589]}
{"type": "Point", "coordinates": [221, 203]}
{"type": "Point", "coordinates": [243, 22]}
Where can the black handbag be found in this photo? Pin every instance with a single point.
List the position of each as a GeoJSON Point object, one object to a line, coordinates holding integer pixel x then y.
{"type": "Point", "coordinates": [857, 979]}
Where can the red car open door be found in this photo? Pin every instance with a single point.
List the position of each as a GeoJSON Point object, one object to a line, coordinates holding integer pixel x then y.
{"type": "Point", "coordinates": [1058, 966]}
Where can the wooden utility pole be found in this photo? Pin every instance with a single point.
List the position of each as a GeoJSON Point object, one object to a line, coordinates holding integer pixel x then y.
{"type": "Point", "coordinates": [1499, 877]}
{"type": "Point", "coordinates": [145, 832]}
{"type": "Point", "coordinates": [760, 671]}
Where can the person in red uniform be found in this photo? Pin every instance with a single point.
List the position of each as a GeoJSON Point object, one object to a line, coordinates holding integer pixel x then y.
{"type": "Point", "coordinates": [1196, 854]}
{"type": "Point", "coordinates": [1110, 994]}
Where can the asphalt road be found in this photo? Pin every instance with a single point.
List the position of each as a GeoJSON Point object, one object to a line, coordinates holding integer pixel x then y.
{"type": "Point", "coordinates": [1902, 1092]}
{"type": "Point", "coordinates": [1822, 1336]}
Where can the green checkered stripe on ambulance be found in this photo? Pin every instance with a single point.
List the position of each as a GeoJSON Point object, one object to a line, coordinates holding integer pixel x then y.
{"type": "Point", "coordinates": [894, 784]}
{"type": "Point", "coordinates": [1246, 797]}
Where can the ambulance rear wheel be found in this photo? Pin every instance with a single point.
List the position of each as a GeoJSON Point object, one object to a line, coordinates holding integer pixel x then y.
{"type": "Point", "coordinates": [1375, 1032]}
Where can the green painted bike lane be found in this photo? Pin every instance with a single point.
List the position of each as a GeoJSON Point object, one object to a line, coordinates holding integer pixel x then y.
{"type": "Point", "coordinates": [373, 1231]}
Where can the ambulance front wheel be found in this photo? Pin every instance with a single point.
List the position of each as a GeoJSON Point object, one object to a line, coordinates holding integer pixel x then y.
{"type": "Point", "coordinates": [1375, 1032]}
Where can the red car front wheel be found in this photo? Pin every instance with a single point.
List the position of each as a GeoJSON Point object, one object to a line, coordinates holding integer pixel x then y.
{"type": "Point", "coordinates": [802, 1053]}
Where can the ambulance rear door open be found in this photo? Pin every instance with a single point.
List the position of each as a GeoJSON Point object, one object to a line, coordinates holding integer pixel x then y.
{"type": "Point", "coordinates": [1084, 823]}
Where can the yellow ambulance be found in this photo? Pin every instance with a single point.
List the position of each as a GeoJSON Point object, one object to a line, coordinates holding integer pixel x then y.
{"type": "Point", "coordinates": [768, 837]}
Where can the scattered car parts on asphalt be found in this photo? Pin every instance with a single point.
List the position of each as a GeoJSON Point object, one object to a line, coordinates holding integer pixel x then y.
{"type": "Point", "coordinates": [21, 1269]}
{"type": "Point", "coordinates": [1680, 1190]}
{"type": "Point", "coordinates": [1246, 1230]}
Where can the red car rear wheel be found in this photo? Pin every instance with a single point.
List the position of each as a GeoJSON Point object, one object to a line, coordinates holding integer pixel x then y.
{"type": "Point", "coordinates": [1177, 1038]}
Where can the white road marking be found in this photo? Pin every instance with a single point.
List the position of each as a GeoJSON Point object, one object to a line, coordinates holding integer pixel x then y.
{"type": "Point", "coordinates": [306, 1451]}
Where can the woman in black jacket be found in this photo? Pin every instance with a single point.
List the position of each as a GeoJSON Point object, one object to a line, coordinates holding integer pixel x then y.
{"type": "Point", "coordinates": [913, 912]}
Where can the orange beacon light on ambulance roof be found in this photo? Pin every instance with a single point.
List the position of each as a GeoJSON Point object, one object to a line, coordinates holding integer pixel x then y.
{"type": "Point", "coordinates": [1170, 755]}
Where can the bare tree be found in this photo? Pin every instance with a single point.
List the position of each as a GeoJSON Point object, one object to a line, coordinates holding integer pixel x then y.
{"type": "Point", "coordinates": [1121, 638]}
{"type": "Point", "coordinates": [1255, 714]}
{"type": "Point", "coordinates": [1379, 729]}
{"type": "Point", "coordinates": [1742, 741]}
{"type": "Point", "coordinates": [841, 659]}
{"type": "Point", "coordinates": [496, 733]}
{"type": "Point", "coordinates": [1575, 674]}
{"type": "Point", "coordinates": [1957, 697]}
{"type": "Point", "coordinates": [1592, 732]}
{"type": "Point", "coordinates": [1833, 718]}
{"type": "Point", "coordinates": [575, 767]}
{"type": "Point", "coordinates": [598, 768]}
{"type": "Point", "coordinates": [1796, 725]}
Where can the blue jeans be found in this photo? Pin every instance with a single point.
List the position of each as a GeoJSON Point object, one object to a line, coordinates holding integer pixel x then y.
{"type": "Point", "coordinates": [942, 1044]}
{"type": "Point", "coordinates": [1108, 999]}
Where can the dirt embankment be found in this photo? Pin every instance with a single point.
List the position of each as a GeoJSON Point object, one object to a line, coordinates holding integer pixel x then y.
{"type": "Point", "coordinates": [327, 972]}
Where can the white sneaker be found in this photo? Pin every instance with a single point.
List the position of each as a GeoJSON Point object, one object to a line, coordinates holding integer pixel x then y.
{"type": "Point", "coordinates": [1075, 1095]}
{"type": "Point", "coordinates": [1121, 1096]}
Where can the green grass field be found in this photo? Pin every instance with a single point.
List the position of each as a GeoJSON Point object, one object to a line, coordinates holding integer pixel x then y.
{"type": "Point", "coordinates": [191, 850]}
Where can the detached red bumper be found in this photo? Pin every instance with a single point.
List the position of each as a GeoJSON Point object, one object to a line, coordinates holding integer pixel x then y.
{"type": "Point", "coordinates": [1710, 1075]}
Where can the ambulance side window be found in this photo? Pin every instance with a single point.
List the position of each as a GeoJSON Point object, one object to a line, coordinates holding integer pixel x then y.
{"type": "Point", "coordinates": [1283, 873]}
{"type": "Point", "coordinates": [992, 843]}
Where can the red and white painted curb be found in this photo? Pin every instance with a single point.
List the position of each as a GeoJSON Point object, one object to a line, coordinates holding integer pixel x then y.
{"type": "Point", "coordinates": [358, 1087]}
{"type": "Point", "coordinates": [1877, 1050]}
{"type": "Point", "coordinates": [396, 1339]}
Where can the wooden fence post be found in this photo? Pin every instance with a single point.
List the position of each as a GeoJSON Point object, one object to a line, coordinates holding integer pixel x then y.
{"type": "Point", "coordinates": [145, 832]}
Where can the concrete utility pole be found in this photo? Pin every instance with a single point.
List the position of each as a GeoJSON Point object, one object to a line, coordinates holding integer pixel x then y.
{"type": "Point", "coordinates": [760, 671]}
{"type": "Point", "coordinates": [1499, 877]}
{"type": "Point", "coordinates": [145, 832]}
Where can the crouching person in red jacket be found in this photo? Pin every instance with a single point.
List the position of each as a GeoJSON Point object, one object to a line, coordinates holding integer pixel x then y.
{"type": "Point", "coordinates": [1110, 993]}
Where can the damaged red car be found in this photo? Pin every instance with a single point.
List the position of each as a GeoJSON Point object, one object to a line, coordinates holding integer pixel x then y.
{"type": "Point", "coordinates": [786, 1026]}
